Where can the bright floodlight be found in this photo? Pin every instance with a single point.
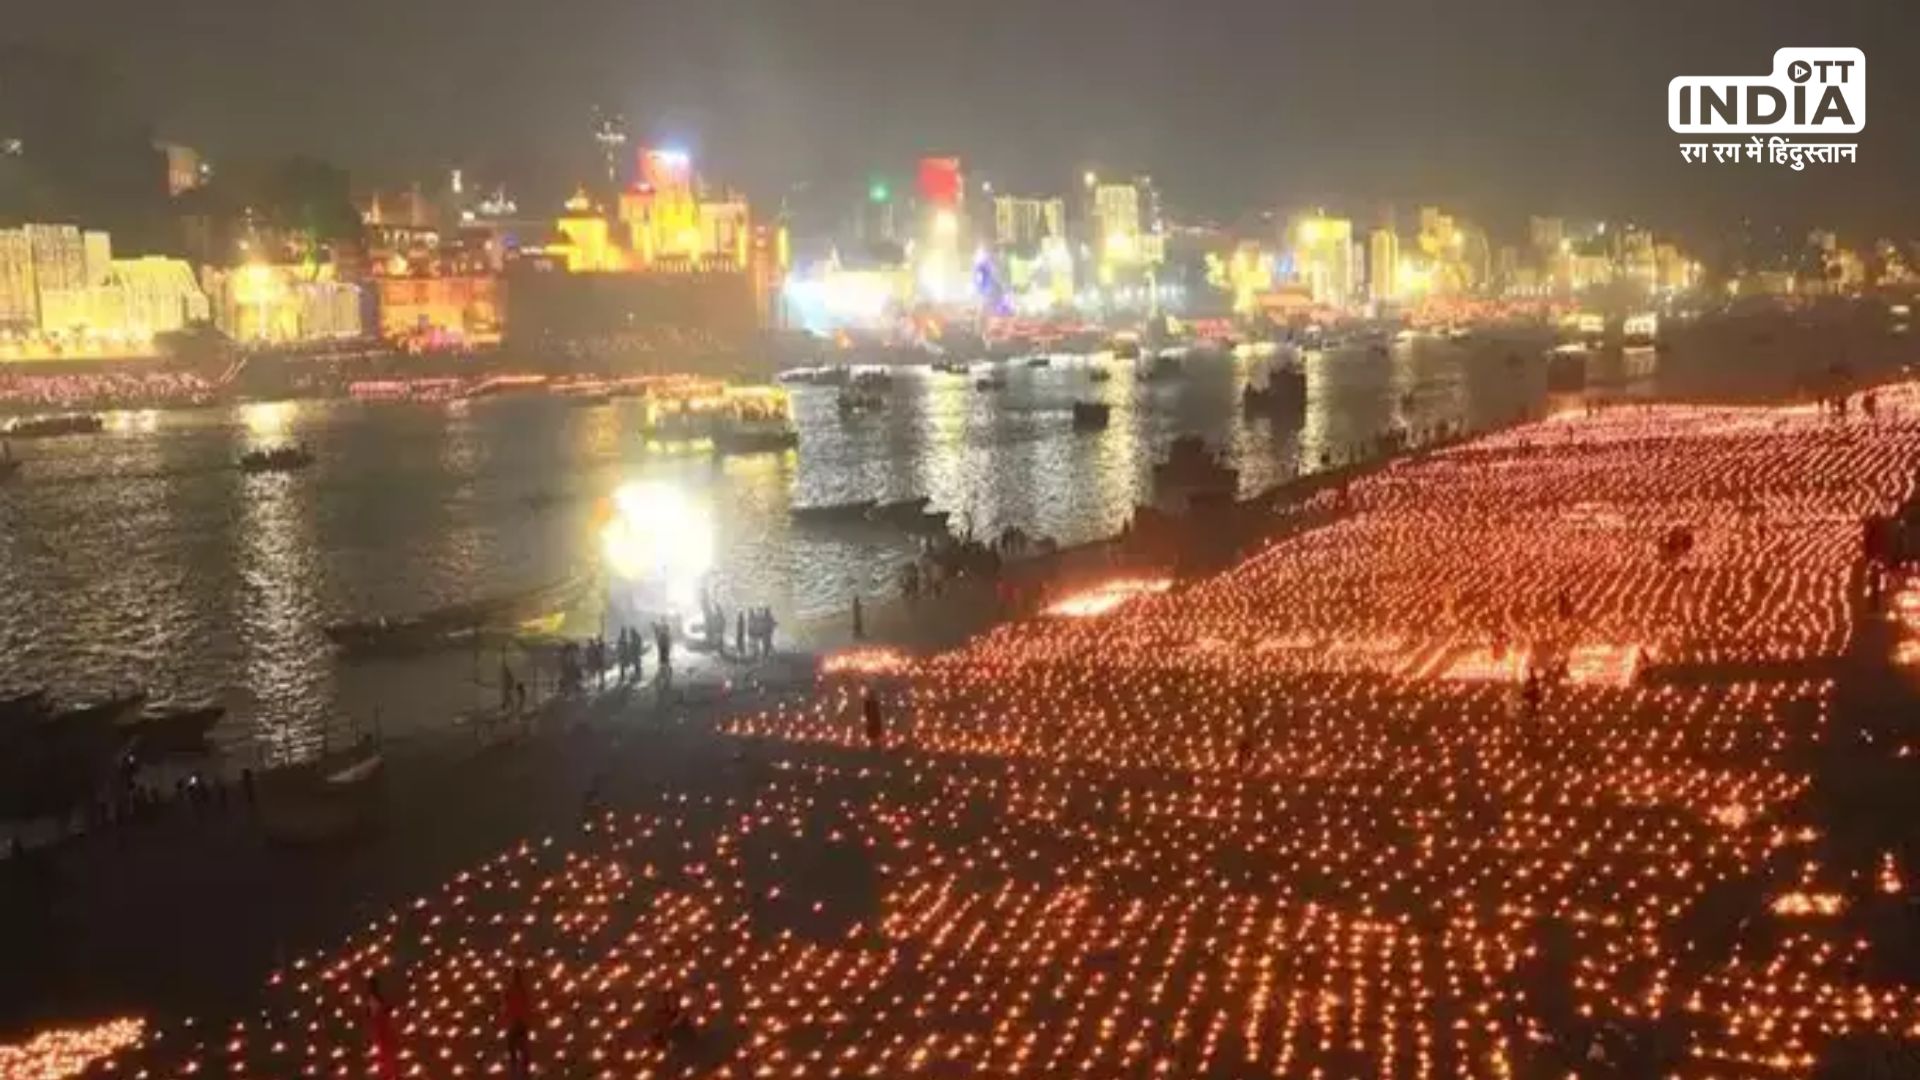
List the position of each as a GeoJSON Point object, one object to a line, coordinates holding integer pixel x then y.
{"type": "Point", "coordinates": [660, 541]}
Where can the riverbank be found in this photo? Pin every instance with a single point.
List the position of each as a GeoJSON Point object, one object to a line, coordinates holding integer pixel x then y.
{"type": "Point", "coordinates": [1482, 774]}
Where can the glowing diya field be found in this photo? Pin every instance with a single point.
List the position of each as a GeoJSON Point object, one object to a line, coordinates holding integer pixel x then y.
{"type": "Point", "coordinates": [1294, 819]}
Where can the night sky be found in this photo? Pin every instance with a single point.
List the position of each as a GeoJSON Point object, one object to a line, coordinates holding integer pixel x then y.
{"type": "Point", "coordinates": [1493, 107]}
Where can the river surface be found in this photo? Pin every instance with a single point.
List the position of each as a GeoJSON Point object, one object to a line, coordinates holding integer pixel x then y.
{"type": "Point", "coordinates": [141, 557]}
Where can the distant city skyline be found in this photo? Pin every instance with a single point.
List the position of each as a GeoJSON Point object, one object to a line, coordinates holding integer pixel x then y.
{"type": "Point", "coordinates": [1500, 107]}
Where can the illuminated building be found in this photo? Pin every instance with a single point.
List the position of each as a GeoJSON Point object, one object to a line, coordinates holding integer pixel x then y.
{"type": "Point", "coordinates": [1545, 234]}
{"type": "Point", "coordinates": [1323, 259]}
{"type": "Point", "coordinates": [269, 304]}
{"type": "Point", "coordinates": [59, 257]}
{"type": "Point", "coordinates": [441, 309]}
{"type": "Point", "coordinates": [185, 170]}
{"type": "Point", "coordinates": [19, 298]}
{"type": "Point", "coordinates": [158, 295]}
{"type": "Point", "coordinates": [1116, 211]}
{"type": "Point", "coordinates": [587, 244]}
{"type": "Point", "coordinates": [96, 257]}
{"type": "Point", "coordinates": [1021, 224]}
{"type": "Point", "coordinates": [1383, 265]}
{"type": "Point", "coordinates": [833, 296]}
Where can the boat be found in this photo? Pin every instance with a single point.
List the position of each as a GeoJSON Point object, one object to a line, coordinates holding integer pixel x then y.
{"type": "Point", "coordinates": [1193, 468]}
{"type": "Point", "coordinates": [990, 382]}
{"type": "Point", "coordinates": [452, 625]}
{"type": "Point", "coordinates": [1126, 348]}
{"type": "Point", "coordinates": [1091, 415]}
{"type": "Point", "coordinates": [171, 730]}
{"type": "Point", "coordinates": [1098, 374]}
{"type": "Point", "coordinates": [833, 513]}
{"type": "Point", "coordinates": [816, 376]}
{"type": "Point", "coordinates": [276, 459]}
{"type": "Point", "coordinates": [858, 403]}
{"type": "Point", "coordinates": [1567, 367]}
{"type": "Point", "coordinates": [873, 379]}
{"type": "Point", "coordinates": [9, 468]}
{"type": "Point", "coordinates": [52, 427]}
{"type": "Point", "coordinates": [1163, 366]}
{"type": "Point", "coordinates": [743, 439]}
{"type": "Point", "coordinates": [1285, 392]}
{"type": "Point", "coordinates": [1039, 361]}
{"type": "Point", "coordinates": [899, 511]}
{"type": "Point", "coordinates": [332, 798]}
{"type": "Point", "coordinates": [53, 760]}
{"type": "Point", "coordinates": [951, 367]}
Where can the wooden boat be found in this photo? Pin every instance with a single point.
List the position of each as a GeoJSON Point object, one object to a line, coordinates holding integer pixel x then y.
{"type": "Point", "coordinates": [450, 626]}
{"type": "Point", "coordinates": [951, 367]}
{"type": "Point", "coordinates": [755, 440]}
{"type": "Point", "coordinates": [1098, 374]}
{"type": "Point", "coordinates": [858, 403]}
{"type": "Point", "coordinates": [1161, 367]}
{"type": "Point", "coordinates": [52, 761]}
{"type": "Point", "coordinates": [902, 512]}
{"type": "Point", "coordinates": [53, 427]}
{"type": "Point", "coordinates": [1091, 415]}
{"type": "Point", "coordinates": [1039, 361]}
{"type": "Point", "coordinates": [333, 798]}
{"type": "Point", "coordinates": [179, 729]}
{"type": "Point", "coordinates": [990, 382]}
{"type": "Point", "coordinates": [834, 513]}
{"type": "Point", "coordinates": [1285, 392]}
{"type": "Point", "coordinates": [276, 459]}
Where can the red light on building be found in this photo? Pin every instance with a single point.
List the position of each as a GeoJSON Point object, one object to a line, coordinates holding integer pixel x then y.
{"type": "Point", "coordinates": [941, 182]}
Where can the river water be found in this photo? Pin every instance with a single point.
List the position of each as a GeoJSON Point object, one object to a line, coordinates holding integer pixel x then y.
{"type": "Point", "coordinates": [141, 557]}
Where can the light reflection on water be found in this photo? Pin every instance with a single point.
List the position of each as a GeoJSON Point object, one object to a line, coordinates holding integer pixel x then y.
{"type": "Point", "coordinates": [143, 557]}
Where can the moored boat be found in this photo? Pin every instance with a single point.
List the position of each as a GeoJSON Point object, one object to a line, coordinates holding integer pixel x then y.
{"type": "Point", "coordinates": [453, 625]}
{"type": "Point", "coordinates": [747, 438]}
{"type": "Point", "coordinates": [52, 427]}
{"type": "Point", "coordinates": [276, 459]}
{"type": "Point", "coordinates": [1091, 415]}
{"type": "Point", "coordinates": [833, 513]}
{"type": "Point", "coordinates": [1285, 392]}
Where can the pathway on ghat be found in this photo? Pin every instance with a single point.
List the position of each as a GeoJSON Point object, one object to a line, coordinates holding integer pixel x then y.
{"type": "Point", "coordinates": [1301, 818]}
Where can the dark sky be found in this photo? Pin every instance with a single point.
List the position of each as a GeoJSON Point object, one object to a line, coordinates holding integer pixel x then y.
{"type": "Point", "coordinates": [1497, 107]}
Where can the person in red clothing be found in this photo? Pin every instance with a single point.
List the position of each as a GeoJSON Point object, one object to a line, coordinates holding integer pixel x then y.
{"type": "Point", "coordinates": [517, 1014]}
{"type": "Point", "coordinates": [382, 1032]}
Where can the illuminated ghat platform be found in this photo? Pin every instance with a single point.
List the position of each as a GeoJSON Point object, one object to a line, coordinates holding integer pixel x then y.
{"type": "Point", "coordinates": [1296, 819]}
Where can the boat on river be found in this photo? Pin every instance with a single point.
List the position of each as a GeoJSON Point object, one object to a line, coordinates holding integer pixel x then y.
{"type": "Point", "coordinates": [1284, 393]}
{"type": "Point", "coordinates": [276, 459]}
{"type": "Point", "coordinates": [1091, 415]}
{"type": "Point", "coordinates": [833, 513]}
{"type": "Point", "coordinates": [746, 439]}
{"type": "Point", "coordinates": [454, 625]}
{"type": "Point", "coordinates": [53, 427]}
{"type": "Point", "coordinates": [996, 381]}
{"type": "Point", "coordinates": [852, 403]}
{"type": "Point", "coordinates": [332, 798]}
{"type": "Point", "coordinates": [178, 729]}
